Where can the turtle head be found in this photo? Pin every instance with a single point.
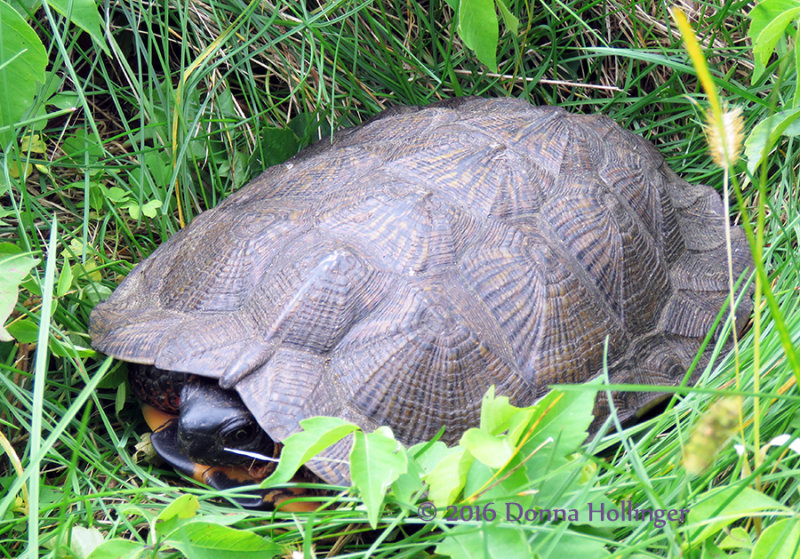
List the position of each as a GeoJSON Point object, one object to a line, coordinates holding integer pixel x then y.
{"type": "Point", "coordinates": [213, 422]}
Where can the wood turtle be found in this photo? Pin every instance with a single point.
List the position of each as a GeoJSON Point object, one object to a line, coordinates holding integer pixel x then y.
{"type": "Point", "coordinates": [390, 275]}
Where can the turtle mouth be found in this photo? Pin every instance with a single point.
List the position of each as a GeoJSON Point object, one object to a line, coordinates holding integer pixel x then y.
{"type": "Point", "coordinates": [165, 441]}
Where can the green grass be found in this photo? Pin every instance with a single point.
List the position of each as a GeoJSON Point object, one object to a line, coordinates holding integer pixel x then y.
{"type": "Point", "coordinates": [183, 111]}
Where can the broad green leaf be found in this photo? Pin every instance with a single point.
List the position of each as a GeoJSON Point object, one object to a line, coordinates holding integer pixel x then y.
{"type": "Point", "coordinates": [32, 143]}
{"type": "Point", "coordinates": [177, 513]}
{"type": "Point", "coordinates": [116, 194]}
{"type": "Point", "coordinates": [118, 549]}
{"type": "Point", "coordinates": [760, 16]}
{"type": "Point", "coordinates": [496, 412]}
{"type": "Point", "coordinates": [84, 14]}
{"type": "Point", "coordinates": [564, 416]}
{"type": "Point", "coordinates": [25, 331]}
{"type": "Point", "coordinates": [133, 209]}
{"type": "Point", "coordinates": [422, 458]}
{"type": "Point", "coordinates": [307, 127]}
{"type": "Point", "coordinates": [764, 44]}
{"type": "Point", "coordinates": [796, 99]}
{"type": "Point", "coordinates": [13, 269]}
{"type": "Point", "coordinates": [737, 538]}
{"type": "Point", "coordinates": [65, 279]}
{"type": "Point", "coordinates": [509, 19]}
{"type": "Point", "coordinates": [318, 434]}
{"type": "Point", "coordinates": [160, 167]}
{"type": "Point", "coordinates": [479, 29]}
{"type": "Point", "coordinates": [765, 11]}
{"type": "Point", "coordinates": [24, 7]}
{"type": "Point", "coordinates": [95, 292]}
{"type": "Point", "coordinates": [489, 541]}
{"type": "Point", "coordinates": [409, 483]}
{"type": "Point", "coordinates": [82, 150]}
{"type": "Point", "coordinates": [64, 100]}
{"type": "Point", "coordinates": [376, 461]}
{"type": "Point", "coordinates": [207, 540]}
{"type": "Point", "coordinates": [779, 541]}
{"type": "Point", "coordinates": [558, 427]}
{"type": "Point", "coordinates": [515, 542]}
{"type": "Point", "coordinates": [23, 60]}
{"type": "Point", "coordinates": [571, 544]}
{"type": "Point", "coordinates": [70, 348]}
{"type": "Point", "coordinates": [713, 512]}
{"type": "Point", "coordinates": [448, 477]}
{"type": "Point", "coordinates": [277, 145]}
{"type": "Point", "coordinates": [427, 455]}
{"type": "Point", "coordinates": [492, 450]}
{"type": "Point", "coordinates": [5, 213]}
{"type": "Point", "coordinates": [150, 209]}
{"type": "Point", "coordinates": [766, 133]}
{"type": "Point", "coordinates": [184, 507]}
{"type": "Point", "coordinates": [84, 540]}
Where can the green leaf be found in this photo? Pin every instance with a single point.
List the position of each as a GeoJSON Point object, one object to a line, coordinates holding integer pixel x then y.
{"type": "Point", "coordinates": [133, 209]}
{"type": "Point", "coordinates": [160, 167]}
{"type": "Point", "coordinates": [64, 100]}
{"type": "Point", "coordinates": [779, 541]}
{"type": "Point", "coordinates": [713, 512]}
{"type": "Point", "coordinates": [84, 540]}
{"type": "Point", "coordinates": [492, 450]}
{"type": "Point", "coordinates": [5, 213]}
{"type": "Point", "coordinates": [447, 478]}
{"type": "Point", "coordinates": [738, 538]}
{"type": "Point", "coordinates": [409, 483]}
{"type": "Point", "coordinates": [796, 98]}
{"type": "Point", "coordinates": [184, 507]}
{"type": "Point", "coordinates": [177, 513]}
{"type": "Point", "coordinates": [766, 133]}
{"type": "Point", "coordinates": [557, 427]}
{"type": "Point", "coordinates": [514, 542]}
{"type": "Point", "coordinates": [117, 549]}
{"type": "Point", "coordinates": [83, 150]}
{"type": "Point", "coordinates": [761, 16]}
{"type": "Point", "coordinates": [318, 434]}
{"type": "Point", "coordinates": [496, 412]}
{"type": "Point", "coordinates": [376, 461]}
{"type": "Point", "coordinates": [23, 60]}
{"type": "Point", "coordinates": [766, 11]}
{"type": "Point", "coordinates": [65, 279]}
{"type": "Point", "coordinates": [150, 209]}
{"type": "Point", "coordinates": [564, 416]}
{"type": "Point", "coordinates": [25, 331]}
{"type": "Point", "coordinates": [13, 269]}
{"type": "Point", "coordinates": [70, 348]}
{"type": "Point", "coordinates": [422, 458]}
{"type": "Point", "coordinates": [94, 292]}
{"type": "Point", "coordinates": [116, 194]}
{"type": "Point", "coordinates": [490, 541]}
{"type": "Point", "coordinates": [207, 540]}
{"type": "Point", "coordinates": [84, 14]}
{"type": "Point", "coordinates": [277, 145]}
{"type": "Point", "coordinates": [509, 19]}
{"type": "Point", "coordinates": [764, 44]}
{"type": "Point", "coordinates": [479, 29]}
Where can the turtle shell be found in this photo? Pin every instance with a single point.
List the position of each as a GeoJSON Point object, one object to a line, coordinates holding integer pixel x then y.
{"type": "Point", "coordinates": [392, 274]}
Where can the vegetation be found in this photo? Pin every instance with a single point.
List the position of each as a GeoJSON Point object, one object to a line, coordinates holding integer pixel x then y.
{"type": "Point", "coordinates": [120, 122]}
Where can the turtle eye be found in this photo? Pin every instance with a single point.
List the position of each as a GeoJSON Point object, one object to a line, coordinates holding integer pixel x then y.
{"type": "Point", "coordinates": [237, 436]}
{"type": "Point", "coordinates": [242, 435]}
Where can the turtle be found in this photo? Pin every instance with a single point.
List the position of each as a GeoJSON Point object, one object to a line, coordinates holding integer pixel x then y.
{"type": "Point", "coordinates": [392, 273]}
